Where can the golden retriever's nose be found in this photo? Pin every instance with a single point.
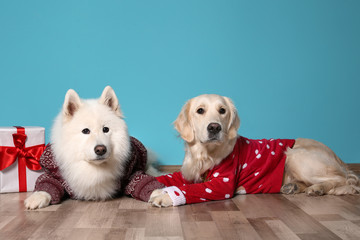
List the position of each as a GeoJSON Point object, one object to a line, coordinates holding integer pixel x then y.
{"type": "Point", "coordinates": [214, 128]}
{"type": "Point", "coordinates": [100, 150]}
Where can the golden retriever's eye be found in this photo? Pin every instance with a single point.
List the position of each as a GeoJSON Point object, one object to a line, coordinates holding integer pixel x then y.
{"type": "Point", "coordinates": [105, 129]}
{"type": "Point", "coordinates": [222, 111]}
{"type": "Point", "coordinates": [86, 131]}
{"type": "Point", "coordinates": [200, 111]}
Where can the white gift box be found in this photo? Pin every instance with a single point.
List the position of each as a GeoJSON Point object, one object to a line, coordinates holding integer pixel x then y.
{"type": "Point", "coordinates": [20, 151]}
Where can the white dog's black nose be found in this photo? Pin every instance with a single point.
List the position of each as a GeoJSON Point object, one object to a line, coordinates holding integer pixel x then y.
{"type": "Point", "coordinates": [214, 128]}
{"type": "Point", "coordinates": [100, 150]}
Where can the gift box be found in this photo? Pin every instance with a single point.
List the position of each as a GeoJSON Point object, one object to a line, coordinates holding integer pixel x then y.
{"type": "Point", "coordinates": [20, 151]}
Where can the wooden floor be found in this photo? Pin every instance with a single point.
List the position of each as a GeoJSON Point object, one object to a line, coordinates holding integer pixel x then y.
{"type": "Point", "coordinates": [267, 216]}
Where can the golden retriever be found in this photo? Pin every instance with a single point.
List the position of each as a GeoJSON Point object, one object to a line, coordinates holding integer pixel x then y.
{"type": "Point", "coordinates": [209, 125]}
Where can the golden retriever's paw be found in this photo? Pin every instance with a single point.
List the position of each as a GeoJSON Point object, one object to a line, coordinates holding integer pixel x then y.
{"type": "Point", "coordinates": [290, 188]}
{"type": "Point", "coordinates": [159, 198]}
{"type": "Point", "coordinates": [166, 197]}
{"type": "Point", "coordinates": [37, 200]}
{"type": "Point", "coordinates": [315, 190]}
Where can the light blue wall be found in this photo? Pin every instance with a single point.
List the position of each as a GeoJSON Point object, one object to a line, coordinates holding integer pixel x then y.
{"type": "Point", "coordinates": [291, 67]}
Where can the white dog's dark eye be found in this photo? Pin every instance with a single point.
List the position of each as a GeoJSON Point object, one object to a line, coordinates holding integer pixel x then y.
{"type": "Point", "coordinates": [222, 111]}
{"type": "Point", "coordinates": [86, 131]}
{"type": "Point", "coordinates": [200, 111]}
{"type": "Point", "coordinates": [105, 129]}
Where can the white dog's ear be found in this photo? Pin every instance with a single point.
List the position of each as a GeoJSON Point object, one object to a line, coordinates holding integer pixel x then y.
{"type": "Point", "coordinates": [71, 104]}
{"type": "Point", "coordinates": [234, 122]}
{"type": "Point", "coordinates": [182, 123]}
{"type": "Point", "coordinates": [108, 97]}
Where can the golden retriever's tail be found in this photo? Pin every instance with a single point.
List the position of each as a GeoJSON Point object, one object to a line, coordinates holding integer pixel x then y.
{"type": "Point", "coordinates": [351, 186]}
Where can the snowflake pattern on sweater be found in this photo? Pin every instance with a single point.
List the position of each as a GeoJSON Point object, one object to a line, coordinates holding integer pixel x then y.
{"type": "Point", "coordinates": [53, 183]}
{"type": "Point", "coordinates": [254, 166]}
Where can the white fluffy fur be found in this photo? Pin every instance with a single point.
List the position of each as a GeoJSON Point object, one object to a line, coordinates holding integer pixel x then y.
{"type": "Point", "coordinates": [91, 179]}
{"type": "Point", "coordinates": [38, 200]}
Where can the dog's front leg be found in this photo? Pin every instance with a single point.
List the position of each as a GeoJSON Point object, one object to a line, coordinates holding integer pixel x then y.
{"type": "Point", "coordinates": [38, 199]}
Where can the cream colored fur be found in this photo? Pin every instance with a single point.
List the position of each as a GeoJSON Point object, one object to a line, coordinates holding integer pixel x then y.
{"type": "Point", "coordinates": [315, 169]}
{"type": "Point", "coordinates": [311, 166]}
{"type": "Point", "coordinates": [200, 153]}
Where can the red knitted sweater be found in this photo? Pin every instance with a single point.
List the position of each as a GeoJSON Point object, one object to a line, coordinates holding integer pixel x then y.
{"type": "Point", "coordinates": [254, 166]}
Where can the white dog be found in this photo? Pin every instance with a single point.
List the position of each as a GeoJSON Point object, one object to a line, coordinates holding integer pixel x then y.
{"type": "Point", "coordinates": [218, 163]}
{"type": "Point", "coordinates": [91, 155]}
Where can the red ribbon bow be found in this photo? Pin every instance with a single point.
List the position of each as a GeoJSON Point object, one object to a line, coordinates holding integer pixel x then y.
{"type": "Point", "coordinates": [27, 156]}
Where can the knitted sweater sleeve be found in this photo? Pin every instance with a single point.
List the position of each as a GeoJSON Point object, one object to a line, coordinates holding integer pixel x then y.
{"type": "Point", "coordinates": [50, 181]}
{"type": "Point", "coordinates": [141, 185]}
{"type": "Point", "coordinates": [137, 183]}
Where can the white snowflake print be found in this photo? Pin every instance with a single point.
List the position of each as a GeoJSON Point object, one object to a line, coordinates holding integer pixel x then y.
{"type": "Point", "coordinates": [244, 166]}
{"type": "Point", "coordinates": [257, 173]}
{"type": "Point", "coordinates": [202, 199]}
{"type": "Point", "coordinates": [227, 195]}
{"type": "Point", "coordinates": [281, 144]}
{"type": "Point", "coordinates": [273, 153]}
{"type": "Point", "coordinates": [258, 156]}
{"type": "Point", "coordinates": [267, 146]}
{"type": "Point", "coordinates": [247, 141]}
{"type": "Point", "coordinates": [183, 191]}
{"type": "Point", "coordinates": [208, 190]}
{"type": "Point", "coordinates": [216, 174]}
{"type": "Point", "coordinates": [169, 176]}
{"type": "Point", "coordinates": [260, 186]}
{"type": "Point", "coordinates": [256, 151]}
{"type": "Point", "coordinates": [260, 141]}
{"type": "Point", "coordinates": [225, 179]}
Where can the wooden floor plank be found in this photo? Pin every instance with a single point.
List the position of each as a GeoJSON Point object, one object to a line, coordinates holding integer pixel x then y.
{"type": "Point", "coordinates": [344, 229]}
{"type": "Point", "coordinates": [135, 233]}
{"type": "Point", "coordinates": [282, 231]}
{"type": "Point", "coordinates": [201, 230]}
{"type": "Point", "coordinates": [277, 206]}
{"type": "Point", "coordinates": [5, 220]}
{"type": "Point", "coordinates": [163, 223]}
{"type": "Point", "coordinates": [23, 225]}
{"type": "Point", "coordinates": [340, 205]}
{"type": "Point", "coordinates": [233, 225]}
{"type": "Point", "coordinates": [96, 234]}
{"type": "Point", "coordinates": [263, 229]}
{"type": "Point", "coordinates": [98, 215]}
{"type": "Point", "coordinates": [135, 218]}
{"type": "Point", "coordinates": [267, 216]}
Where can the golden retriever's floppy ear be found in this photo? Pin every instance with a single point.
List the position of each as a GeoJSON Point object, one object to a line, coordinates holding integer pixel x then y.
{"type": "Point", "coordinates": [108, 98]}
{"type": "Point", "coordinates": [234, 122]}
{"type": "Point", "coordinates": [182, 123]}
{"type": "Point", "coordinates": [71, 104]}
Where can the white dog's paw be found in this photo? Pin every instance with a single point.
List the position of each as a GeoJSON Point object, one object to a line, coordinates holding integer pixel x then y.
{"type": "Point", "coordinates": [37, 200]}
{"type": "Point", "coordinates": [159, 198]}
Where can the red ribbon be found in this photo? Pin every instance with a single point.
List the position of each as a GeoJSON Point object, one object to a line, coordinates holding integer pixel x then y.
{"type": "Point", "coordinates": [27, 156]}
